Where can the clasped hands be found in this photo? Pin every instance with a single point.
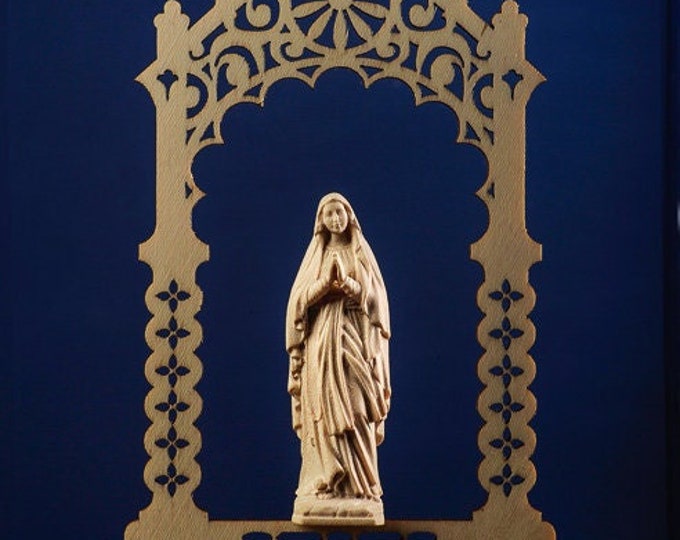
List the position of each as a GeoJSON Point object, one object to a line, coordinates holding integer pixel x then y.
{"type": "Point", "coordinates": [338, 274]}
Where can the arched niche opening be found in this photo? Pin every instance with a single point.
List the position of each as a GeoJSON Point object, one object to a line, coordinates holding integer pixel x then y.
{"type": "Point", "coordinates": [413, 189]}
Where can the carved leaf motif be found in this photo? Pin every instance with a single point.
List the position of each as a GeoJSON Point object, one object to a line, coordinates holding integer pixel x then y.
{"type": "Point", "coordinates": [359, 25]}
{"type": "Point", "coordinates": [319, 25]}
{"type": "Point", "coordinates": [340, 30]}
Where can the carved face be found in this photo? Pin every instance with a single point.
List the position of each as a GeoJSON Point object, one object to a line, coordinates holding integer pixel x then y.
{"type": "Point", "coordinates": [334, 217]}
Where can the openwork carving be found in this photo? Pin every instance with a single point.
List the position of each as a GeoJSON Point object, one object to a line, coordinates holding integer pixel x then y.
{"type": "Point", "coordinates": [444, 52]}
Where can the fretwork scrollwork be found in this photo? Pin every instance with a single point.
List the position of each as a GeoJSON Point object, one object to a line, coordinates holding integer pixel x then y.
{"type": "Point", "coordinates": [240, 50]}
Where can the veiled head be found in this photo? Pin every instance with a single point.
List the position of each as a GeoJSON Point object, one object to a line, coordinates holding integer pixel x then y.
{"type": "Point", "coordinates": [335, 214]}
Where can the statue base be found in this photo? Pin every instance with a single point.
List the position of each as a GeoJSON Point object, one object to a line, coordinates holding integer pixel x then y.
{"type": "Point", "coordinates": [312, 510]}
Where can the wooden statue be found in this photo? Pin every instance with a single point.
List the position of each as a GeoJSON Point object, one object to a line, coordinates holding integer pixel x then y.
{"type": "Point", "coordinates": [337, 331]}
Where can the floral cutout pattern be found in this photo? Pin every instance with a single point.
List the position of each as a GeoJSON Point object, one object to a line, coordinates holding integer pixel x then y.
{"type": "Point", "coordinates": [346, 19]}
{"type": "Point", "coordinates": [173, 371]}
{"type": "Point", "coordinates": [173, 296]}
{"type": "Point", "coordinates": [506, 295]}
{"type": "Point", "coordinates": [172, 443]}
{"type": "Point", "coordinates": [506, 370]}
{"type": "Point", "coordinates": [171, 479]}
{"type": "Point", "coordinates": [507, 407]}
{"type": "Point", "coordinates": [506, 333]}
{"type": "Point", "coordinates": [172, 407]}
{"type": "Point", "coordinates": [507, 443]}
{"type": "Point", "coordinates": [507, 479]}
{"type": "Point", "coordinates": [173, 333]}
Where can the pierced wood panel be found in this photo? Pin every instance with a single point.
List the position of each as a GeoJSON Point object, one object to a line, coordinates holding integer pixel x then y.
{"type": "Point", "coordinates": [444, 52]}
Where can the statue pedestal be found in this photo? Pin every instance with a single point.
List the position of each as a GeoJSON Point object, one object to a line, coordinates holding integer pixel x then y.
{"type": "Point", "coordinates": [313, 511]}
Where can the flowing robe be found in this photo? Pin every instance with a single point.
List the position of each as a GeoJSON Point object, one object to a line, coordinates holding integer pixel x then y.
{"type": "Point", "coordinates": [341, 395]}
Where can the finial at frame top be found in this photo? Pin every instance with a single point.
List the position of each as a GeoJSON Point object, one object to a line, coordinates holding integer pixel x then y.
{"type": "Point", "coordinates": [510, 6]}
{"type": "Point", "coordinates": [172, 7]}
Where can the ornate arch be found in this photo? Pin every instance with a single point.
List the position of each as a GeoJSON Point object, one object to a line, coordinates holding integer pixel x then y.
{"type": "Point", "coordinates": [444, 52]}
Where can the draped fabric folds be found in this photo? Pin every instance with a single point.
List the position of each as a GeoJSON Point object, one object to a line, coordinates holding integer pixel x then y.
{"type": "Point", "coordinates": [340, 386]}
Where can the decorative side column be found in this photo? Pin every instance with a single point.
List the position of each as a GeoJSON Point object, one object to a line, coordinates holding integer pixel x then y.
{"type": "Point", "coordinates": [173, 334]}
{"type": "Point", "coordinates": [507, 252]}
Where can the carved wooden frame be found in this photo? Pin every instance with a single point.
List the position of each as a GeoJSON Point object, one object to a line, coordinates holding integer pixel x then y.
{"type": "Point", "coordinates": [444, 52]}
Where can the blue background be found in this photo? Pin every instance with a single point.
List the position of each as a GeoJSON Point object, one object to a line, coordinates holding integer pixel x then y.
{"type": "Point", "coordinates": [79, 162]}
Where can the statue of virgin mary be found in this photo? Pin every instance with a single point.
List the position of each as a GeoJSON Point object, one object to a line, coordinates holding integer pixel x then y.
{"type": "Point", "coordinates": [337, 332]}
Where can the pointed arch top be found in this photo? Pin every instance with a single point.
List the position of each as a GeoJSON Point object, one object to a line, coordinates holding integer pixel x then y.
{"type": "Point", "coordinates": [442, 50]}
